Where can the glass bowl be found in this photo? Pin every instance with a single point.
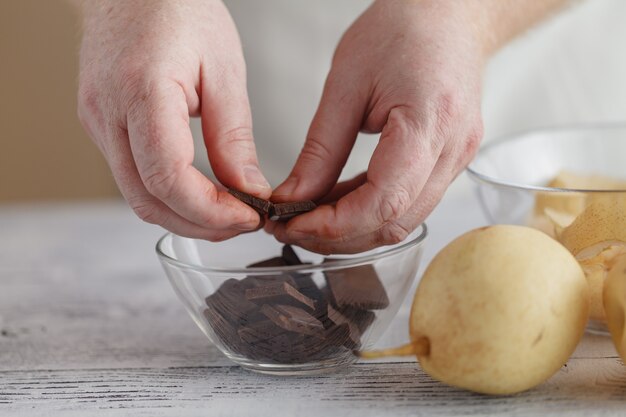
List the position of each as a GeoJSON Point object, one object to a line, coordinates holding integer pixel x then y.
{"type": "Point", "coordinates": [559, 180]}
{"type": "Point", "coordinates": [283, 310]}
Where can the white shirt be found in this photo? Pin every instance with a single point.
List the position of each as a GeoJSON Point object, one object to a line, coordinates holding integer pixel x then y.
{"type": "Point", "coordinates": [570, 69]}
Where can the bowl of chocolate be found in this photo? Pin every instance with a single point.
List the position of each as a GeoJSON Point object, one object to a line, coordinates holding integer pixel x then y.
{"type": "Point", "coordinates": [280, 309]}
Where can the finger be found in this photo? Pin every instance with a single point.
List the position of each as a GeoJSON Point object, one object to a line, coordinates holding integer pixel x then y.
{"type": "Point", "coordinates": [329, 141]}
{"type": "Point", "coordinates": [402, 162]}
{"type": "Point", "coordinates": [162, 148]}
{"type": "Point", "coordinates": [394, 231]}
{"type": "Point", "coordinates": [338, 191]}
{"type": "Point", "coordinates": [342, 188]}
{"type": "Point", "coordinates": [144, 204]}
{"type": "Point", "coordinates": [227, 129]}
{"type": "Point", "coordinates": [398, 230]}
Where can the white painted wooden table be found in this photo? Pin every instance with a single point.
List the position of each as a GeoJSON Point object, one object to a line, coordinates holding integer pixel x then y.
{"type": "Point", "coordinates": [90, 326]}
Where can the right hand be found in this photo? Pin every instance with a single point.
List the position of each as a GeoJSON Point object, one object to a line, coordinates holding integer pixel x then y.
{"type": "Point", "coordinates": [145, 68]}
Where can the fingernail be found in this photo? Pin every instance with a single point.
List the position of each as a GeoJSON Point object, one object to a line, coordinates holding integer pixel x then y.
{"type": "Point", "coordinates": [254, 177]}
{"type": "Point", "coordinates": [286, 188]}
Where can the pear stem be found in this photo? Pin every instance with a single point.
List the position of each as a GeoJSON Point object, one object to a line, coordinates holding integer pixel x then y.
{"type": "Point", "coordinates": [419, 347]}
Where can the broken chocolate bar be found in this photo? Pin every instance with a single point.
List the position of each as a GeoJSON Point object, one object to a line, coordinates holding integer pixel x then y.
{"type": "Point", "coordinates": [357, 287]}
{"type": "Point", "coordinates": [285, 211]}
{"type": "Point", "coordinates": [293, 319]}
{"type": "Point", "coordinates": [275, 211]}
{"type": "Point", "coordinates": [261, 206]}
{"type": "Point", "coordinates": [282, 293]}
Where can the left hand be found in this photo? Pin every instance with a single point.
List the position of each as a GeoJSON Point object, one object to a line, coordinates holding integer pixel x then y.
{"type": "Point", "coordinates": [410, 70]}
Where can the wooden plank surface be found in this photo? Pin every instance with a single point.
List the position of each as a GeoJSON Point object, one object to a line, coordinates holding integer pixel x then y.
{"type": "Point", "coordinates": [89, 325]}
{"type": "Point", "coordinates": [582, 388]}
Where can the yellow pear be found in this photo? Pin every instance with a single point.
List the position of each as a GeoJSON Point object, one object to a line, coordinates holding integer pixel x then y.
{"type": "Point", "coordinates": [614, 296]}
{"type": "Point", "coordinates": [498, 311]}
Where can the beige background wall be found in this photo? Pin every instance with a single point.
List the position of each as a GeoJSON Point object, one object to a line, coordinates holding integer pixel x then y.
{"type": "Point", "coordinates": [44, 153]}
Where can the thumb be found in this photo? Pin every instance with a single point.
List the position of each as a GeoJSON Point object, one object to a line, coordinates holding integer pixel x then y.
{"type": "Point", "coordinates": [328, 144]}
{"type": "Point", "coordinates": [227, 130]}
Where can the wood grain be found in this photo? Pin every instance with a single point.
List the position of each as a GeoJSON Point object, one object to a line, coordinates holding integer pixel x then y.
{"type": "Point", "coordinates": [397, 389]}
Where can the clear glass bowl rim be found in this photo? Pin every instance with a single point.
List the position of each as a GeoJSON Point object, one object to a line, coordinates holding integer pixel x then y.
{"type": "Point", "coordinates": [334, 264]}
{"type": "Point", "coordinates": [503, 140]}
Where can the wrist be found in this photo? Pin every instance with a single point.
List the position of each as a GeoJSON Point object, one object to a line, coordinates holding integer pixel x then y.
{"type": "Point", "coordinates": [487, 24]}
{"type": "Point", "coordinates": [453, 24]}
{"type": "Point", "coordinates": [496, 22]}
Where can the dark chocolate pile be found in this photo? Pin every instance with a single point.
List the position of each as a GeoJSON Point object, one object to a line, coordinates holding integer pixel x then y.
{"type": "Point", "coordinates": [286, 318]}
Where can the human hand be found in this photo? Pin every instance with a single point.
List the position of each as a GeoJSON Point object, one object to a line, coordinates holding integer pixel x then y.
{"type": "Point", "coordinates": [412, 71]}
{"type": "Point", "coordinates": [145, 68]}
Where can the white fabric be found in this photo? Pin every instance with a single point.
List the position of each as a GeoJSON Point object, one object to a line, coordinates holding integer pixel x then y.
{"type": "Point", "coordinates": [571, 69]}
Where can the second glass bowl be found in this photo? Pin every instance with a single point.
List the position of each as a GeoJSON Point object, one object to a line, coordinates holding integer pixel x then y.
{"type": "Point", "coordinates": [548, 178]}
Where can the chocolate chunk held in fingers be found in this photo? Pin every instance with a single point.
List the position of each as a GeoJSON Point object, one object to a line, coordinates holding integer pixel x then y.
{"type": "Point", "coordinates": [285, 211]}
{"type": "Point", "coordinates": [263, 207]}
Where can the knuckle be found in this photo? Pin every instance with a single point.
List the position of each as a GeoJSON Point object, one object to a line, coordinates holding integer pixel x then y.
{"type": "Point", "coordinates": [138, 86]}
{"type": "Point", "coordinates": [239, 143]}
{"type": "Point", "coordinates": [447, 111]}
{"type": "Point", "coordinates": [404, 122]}
{"type": "Point", "coordinates": [472, 141]}
{"type": "Point", "coordinates": [146, 210]}
{"type": "Point", "coordinates": [400, 122]}
{"type": "Point", "coordinates": [330, 233]}
{"type": "Point", "coordinates": [394, 232]}
{"type": "Point", "coordinates": [160, 181]}
{"type": "Point", "coordinates": [394, 204]}
{"type": "Point", "coordinates": [88, 103]}
{"type": "Point", "coordinates": [88, 98]}
{"type": "Point", "coordinates": [315, 151]}
{"type": "Point", "coordinates": [239, 135]}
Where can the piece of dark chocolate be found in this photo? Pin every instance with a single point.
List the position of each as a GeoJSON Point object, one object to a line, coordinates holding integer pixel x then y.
{"type": "Point", "coordinates": [254, 281]}
{"type": "Point", "coordinates": [353, 338]}
{"type": "Point", "coordinates": [285, 211]}
{"type": "Point", "coordinates": [286, 348]}
{"type": "Point", "coordinates": [290, 257]}
{"type": "Point", "coordinates": [362, 318]}
{"type": "Point", "coordinates": [259, 331]}
{"type": "Point", "coordinates": [272, 262]}
{"type": "Point", "coordinates": [279, 293]}
{"type": "Point", "coordinates": [306, 285]}
{"type": "Point", "coordinates": [293, 319]}
{"type": "Point", "coordinates": [304, 282]}
{"type": "Point", "coordinates": [357, 287]}
{"type": "Point", "coordinates": [230, 301]}
{"type": "Point", "coordinates": [222, 328]}
{"type": "Point", "coordinates": [342, 336]}
{"type": "Point", "coordinates": [263, 207]}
